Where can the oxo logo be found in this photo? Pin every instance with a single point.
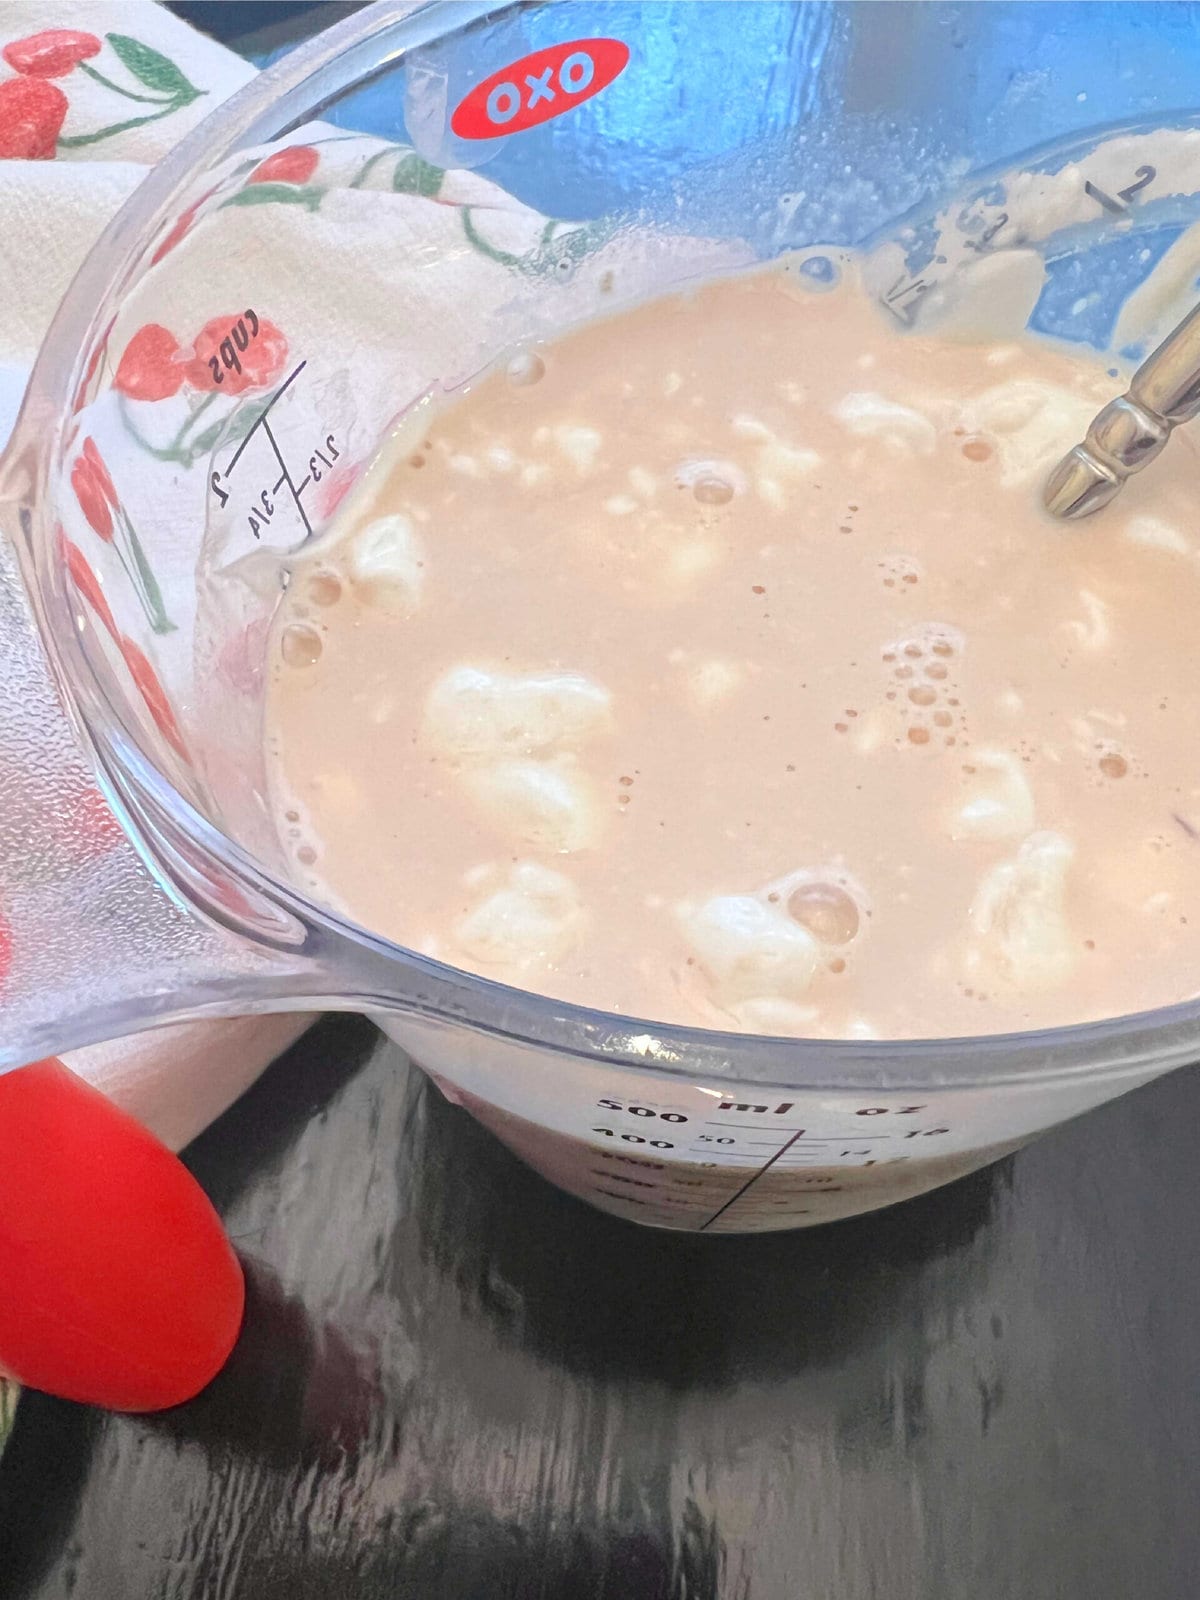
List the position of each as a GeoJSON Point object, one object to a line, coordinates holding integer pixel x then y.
{"type": "Point", "coordinates": [539, 86]}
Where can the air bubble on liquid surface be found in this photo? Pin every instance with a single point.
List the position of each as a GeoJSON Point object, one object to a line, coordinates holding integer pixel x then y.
{"type": "Point", "coordinates": [828, 902]}
{"type": "Point", "coordinates": [300, 645]}
{"type": "Point", "coordinates": [918, 666]}
{"type": "Point", "coordinates": [323, 589]}
{"type": "Point", "coordinates": [940, 641]}
{"type": "Point", "coordinates": [899, 572]}
{"type": "Point", "coordinates": [826, 910]}
{"type": "Point", "coordinates": [621, 505]}
{"type": "Point", "coordinates": [712, 482]}
{"type": "Point", "coordinates": [819, 272]}
{"type": "Point", "coordinates": [525, 368]}
{"type": "Point", "coordinates": [815, 272]}
{"type": "Point", "coordinates": [977, 450]}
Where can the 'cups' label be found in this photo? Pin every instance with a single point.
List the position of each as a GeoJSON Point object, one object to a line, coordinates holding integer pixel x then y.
{"type": "Point", "coordinates": [539, 86]}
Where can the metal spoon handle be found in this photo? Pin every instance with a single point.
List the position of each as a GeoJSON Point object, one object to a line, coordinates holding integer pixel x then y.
{"type": "Point", "coordinates": [1131, 430]}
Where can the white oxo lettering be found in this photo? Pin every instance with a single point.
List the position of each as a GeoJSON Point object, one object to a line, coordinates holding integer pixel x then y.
{"type": "Point", "coordinates": [577, 72]}
{"type": "Point", "coordinates": [503, 103]}
{"type": "Point", "coordinates": [539, 88]}
{"type": "Point", "coordinates": [575, 75]}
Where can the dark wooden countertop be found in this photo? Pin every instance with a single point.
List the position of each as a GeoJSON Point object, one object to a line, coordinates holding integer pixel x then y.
{"type": "Point", "coordinates": [457, 1384]}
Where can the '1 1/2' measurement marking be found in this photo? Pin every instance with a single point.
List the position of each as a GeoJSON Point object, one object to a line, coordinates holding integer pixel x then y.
{"type": "Point", "coordinates": [263, 508]}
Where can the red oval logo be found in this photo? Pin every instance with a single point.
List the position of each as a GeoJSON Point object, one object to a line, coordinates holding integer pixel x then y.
{"type": "Point", "coordinates": [538, 87]}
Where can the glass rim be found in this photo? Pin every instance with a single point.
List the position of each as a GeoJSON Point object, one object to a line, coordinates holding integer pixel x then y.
{"type": "Point", "coordinates": [284, 96]}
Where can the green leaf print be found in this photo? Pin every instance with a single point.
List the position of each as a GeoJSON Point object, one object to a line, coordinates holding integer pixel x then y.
{"type": "Point", "coordinates": [413, 175]}
{"type": "Point", "coordinates": [276, 194]}
{"type": "Point", "coordinates": [563, 245]}
{"type": "Point", "coordinates": [229, 430]}
{"type": "Point", "coordinates": [153, 69]}
{"type": "Point", "coordinates": [75, 141]}
{"type": "Point", "coordinates": [146, 584]}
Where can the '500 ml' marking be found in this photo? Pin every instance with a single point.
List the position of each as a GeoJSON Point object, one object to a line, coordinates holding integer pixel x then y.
{"type": "Point", "coordinates": [539, 86]}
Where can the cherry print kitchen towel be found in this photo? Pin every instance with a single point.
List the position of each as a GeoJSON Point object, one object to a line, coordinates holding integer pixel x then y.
{"type": "Point", "coordinates": [91, 93]}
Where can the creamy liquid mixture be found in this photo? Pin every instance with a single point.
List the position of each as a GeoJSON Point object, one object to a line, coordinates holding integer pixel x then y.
{"type": "Point", "coordinates": [717, 664]}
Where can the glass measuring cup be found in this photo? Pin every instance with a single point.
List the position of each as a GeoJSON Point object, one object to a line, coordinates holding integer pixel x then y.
{"type": "Point", "coordinates": [158, 480]}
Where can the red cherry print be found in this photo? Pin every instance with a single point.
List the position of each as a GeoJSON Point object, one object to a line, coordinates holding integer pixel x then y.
{"type": "Point", "coordinates": [91, 498]}
{"type": "Point", "coordinates": [51, 54]}
{"type": "Point", "coordinates": [237, 353]}
{"type": "Point", "coordinates": [152, 692]}
{"type": "Point", "coordinates": [31, 119]}
{"type": "Point", "coordinates": [296, 164]}
{"type": "Point", "coordinates": [183, 226]}
{"type": "Point", "coordinates": [242, 657]}
{"type": "Point", "coordinates": [100, 472]}
{"type": "Point", "coordinates": [88, 585]}
{"type": "Point", "coordinates": [83, 393]}
{"type": "Point", "coordinates": [336, 487]}
{"type": "Point", "coordinates": [151, 368]}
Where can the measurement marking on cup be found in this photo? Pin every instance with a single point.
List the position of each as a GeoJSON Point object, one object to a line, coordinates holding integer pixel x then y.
{"type": "Point", "coordinates": [751, 1181]}
{"type": "Point", "coordinates": [832, 1138]}
{"type": "Point", "coordinates": [1141, 178]}
{"type": "Point", "coordinates": [263, 510]}
{"type": "Point", "coordinates": [262, 416]}
{"type": "Point", "coordinates": [287, 477]}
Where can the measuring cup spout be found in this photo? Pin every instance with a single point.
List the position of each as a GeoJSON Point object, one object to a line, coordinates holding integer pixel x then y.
{"type": "Point", "coordinates": [91, 943]}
